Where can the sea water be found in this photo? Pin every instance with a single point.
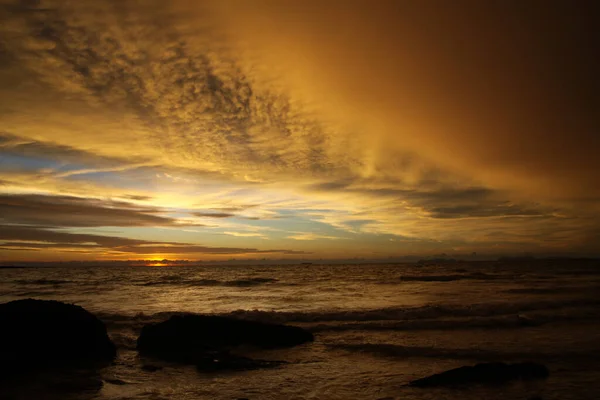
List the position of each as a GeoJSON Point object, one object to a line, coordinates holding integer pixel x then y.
{"type": "Point", "coordinates": [376, 327]}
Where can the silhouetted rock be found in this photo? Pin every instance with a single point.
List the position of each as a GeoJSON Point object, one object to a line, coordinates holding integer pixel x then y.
{"type": "Point", "coordinates": [524, 320]}
{"type": "Point", "coordinates": [74, 384]}
{"type": "Point", "coordinates": [190, 338]}
{"type": "Point", "coordinates": [151, 368]}
{"type": "Point", "coordinates": [116, 381]}
{"type": "Point", "coordinates": [41, 333]}
{"type": "Point", "coordinates": [490, 373]}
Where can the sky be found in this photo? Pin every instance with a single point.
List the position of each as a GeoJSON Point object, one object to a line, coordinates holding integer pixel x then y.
{"type": "Point", "coordinates": [218, 130]}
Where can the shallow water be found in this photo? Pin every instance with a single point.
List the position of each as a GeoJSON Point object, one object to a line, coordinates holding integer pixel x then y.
{"type": "Point", "coordinates": [377, 327]}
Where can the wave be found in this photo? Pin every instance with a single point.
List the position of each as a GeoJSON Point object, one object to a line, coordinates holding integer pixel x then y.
{"type": "Point", "coordinates": [210, 282]}
{"type": "Point", "coordinates": [398, 351]}
{"type": "Point", "coordinates": [550, 290]}
{"type": "Point", "coordinates": [249, 282]}
{"type": "Point", "coordinates": [42, 281]}
{"type": "Point", "coordinates": [517, 321]}
{"type": "Point", "coordinates": [431, 317]}
{"type": "Point", "coordinates": [450, 277]}
{"type": "Point", "coordinates": [503, 322]}
{"type": "Point", "coordinates": [414, 313]}
{"type": "Point", "coordinates": [197, 282]}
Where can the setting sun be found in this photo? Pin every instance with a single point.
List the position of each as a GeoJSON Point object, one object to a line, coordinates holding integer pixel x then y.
{"type": "Point", "coordinates": [156, 261]}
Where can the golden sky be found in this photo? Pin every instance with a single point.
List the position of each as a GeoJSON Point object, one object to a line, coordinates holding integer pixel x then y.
{"type": "Point", "coordinates": [209, 130]}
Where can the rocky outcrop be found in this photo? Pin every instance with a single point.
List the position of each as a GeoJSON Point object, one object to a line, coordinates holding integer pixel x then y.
{"type": "Point", "coordinates": [206, 340]}
{"type": "Point", "coordinates": [485, 373]}
{"type": "Point", "coordinates": [42, 333]}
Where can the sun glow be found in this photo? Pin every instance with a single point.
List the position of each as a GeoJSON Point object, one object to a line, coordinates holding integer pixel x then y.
{"type": "Point", "coordinates": [156, 261]}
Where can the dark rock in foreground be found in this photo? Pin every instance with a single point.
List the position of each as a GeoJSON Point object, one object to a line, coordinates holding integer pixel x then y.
{"type": "Point", "coordinates": [41, 333]}
{"type": "Point", "coordinates": [191, 338]}
{"type": "Point", "coordinates": [485, 373]}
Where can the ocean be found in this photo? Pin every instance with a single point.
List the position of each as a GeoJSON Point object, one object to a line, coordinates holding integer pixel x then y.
{"type": "Point", "coordinates": [376, 327]}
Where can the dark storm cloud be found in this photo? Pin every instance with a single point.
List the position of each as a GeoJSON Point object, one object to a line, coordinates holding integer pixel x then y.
{"type": "Point", "coordinates": [233, 209]}
{"type": "Point", "coordinates": [333, 185]}
{"type": "Point", "coordinates": [220, 213]}
{"type": "Point", "coordinates": [164, 248]}
{"type": "Point", "coordinates": [38, 238]}
{"type": "Point", "coordinates": [214, 215]}
{"type": "Point", "coordinates": [137, 197]}
{"type": "Point", "coordinates": [475, 202]}
{"type": "Point", "coordinates": [66, 211]}
{"type": "Point", "coordinates": [475, 211]}
{"type": "Point", "coordinates": [441, 202]}
{"type": "Point", "coordinates": [42, 237]}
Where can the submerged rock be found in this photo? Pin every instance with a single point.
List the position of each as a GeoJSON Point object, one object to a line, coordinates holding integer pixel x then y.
{"type": "Point", "coordinates": [116, 381]}
{"type": "Point", "coordinates": [205, 340]}
{"type": "Point", "coordinates": [188, 338]}
{"type": "Point", "coordinates": [490, 373]}
{"type": "Point", "coordinates": [151, 368]}
{"type": "Point", "coordinates": [44, 333]}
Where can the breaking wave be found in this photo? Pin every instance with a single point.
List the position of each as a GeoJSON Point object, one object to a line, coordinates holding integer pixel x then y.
{"type": "Point", "coordinates": [399, 351]}
{"type": "Point", "coordinates": [450, 277]}
{"type": "Point", "coordinates": [42, 281]}
{"type": "Point", "coordinates": [430, 317]}
{"type": "Point", "coordinates": [209, 282]}
{"type": "Point", "coordinates": [414, 313]}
